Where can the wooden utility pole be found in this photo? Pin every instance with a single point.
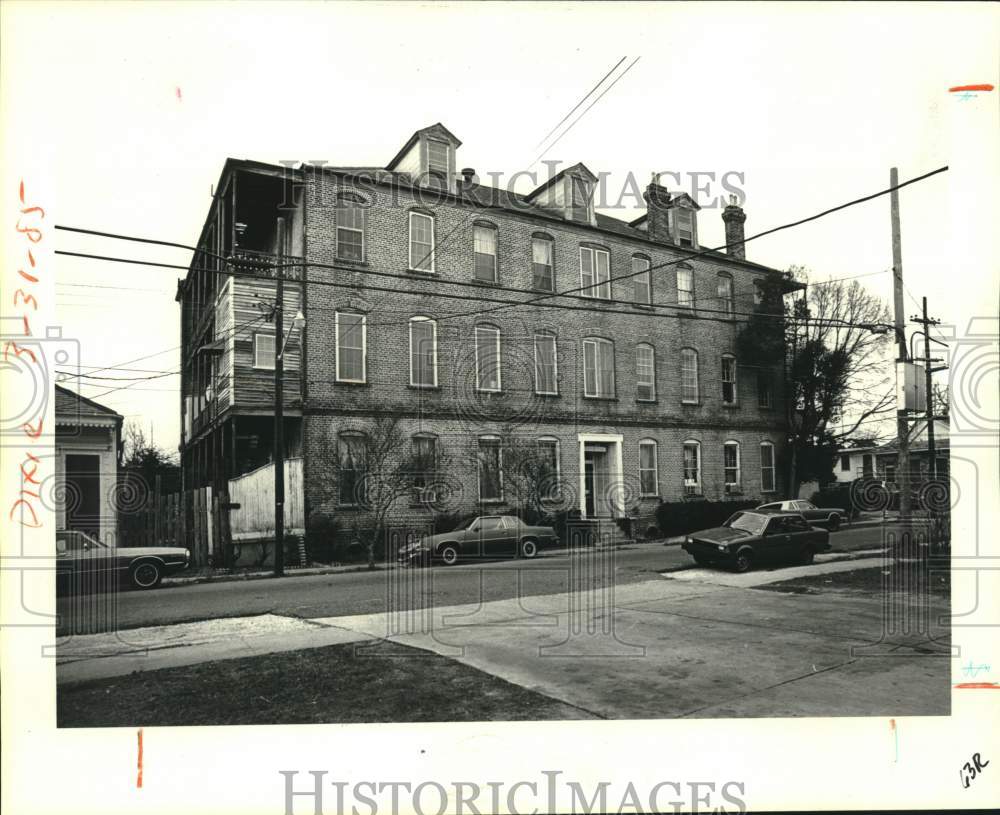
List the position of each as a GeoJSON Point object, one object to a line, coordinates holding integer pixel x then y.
{"type": "Point", "coordinates": [279, 406]}
{"type": "Point", "coordinates": [902, 426]}
{"type": "Point", "coordinates": [929, 370]}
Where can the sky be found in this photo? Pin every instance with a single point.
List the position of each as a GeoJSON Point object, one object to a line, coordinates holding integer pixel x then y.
{"type": "Point", "coordinates": [124, 114]}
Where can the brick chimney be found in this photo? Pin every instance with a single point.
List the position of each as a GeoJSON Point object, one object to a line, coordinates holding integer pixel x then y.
{"type": "Point", "coordinates": [734, 218]}
{"type": "Point", "coordinates": [658, 205]}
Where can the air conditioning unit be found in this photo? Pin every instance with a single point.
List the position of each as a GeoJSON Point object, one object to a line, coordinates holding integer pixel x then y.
{"type": "Point", "coordinates": [425, 495]}
{"type": "Point", "coordinates": [690, 488]}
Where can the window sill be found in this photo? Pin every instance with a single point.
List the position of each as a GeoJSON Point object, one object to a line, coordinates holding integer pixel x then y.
{"type": "Point", "coordinates": [601, 398]}
{"type": "Point", "coordinates": [490, 283]}
{"type": "Point", "coordinates": [349, 382]}
{"type": "Point", "coordinates": [547, 395]}
{"type": "Point", "coordinates": [544, 291]}
{"type": "Point", "coordinates": [647, 401]}
{"type": "Point", "coordinates": [495, 502]}
{"type": "Point", "coordinates": [481, 392]}
{"type": "Point", "coordinates": [688, 403]}
{"type": "Point", "coordinates": [422, 272]}
{"type": "Point", "coordinates": [730, 404]}
{"type": "Point", "coordinates": [262, 368]}
{"type": "Point", "coordinates": [598, 299]}
{"type": "Point", "coordinates": [643, 306]}
{"type": "Point", "coordinates": [411, 386]}
{"type": "Point", "coordinates": [361, 264]}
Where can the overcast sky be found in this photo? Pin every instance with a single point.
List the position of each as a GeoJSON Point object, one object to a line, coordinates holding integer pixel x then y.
{"type": "Point", "coordinates": [131, 109]}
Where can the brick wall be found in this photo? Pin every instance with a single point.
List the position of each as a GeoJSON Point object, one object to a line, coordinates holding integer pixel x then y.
{"type": "Point", "coordinates": [454, 410]}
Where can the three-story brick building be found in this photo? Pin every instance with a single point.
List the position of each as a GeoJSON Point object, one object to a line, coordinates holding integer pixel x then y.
{"type": "Point", "coordinates": [474, 316]}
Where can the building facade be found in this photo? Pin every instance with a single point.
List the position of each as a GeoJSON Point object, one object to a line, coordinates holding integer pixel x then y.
{"type": "Point", "coordinates": [87, 444]}
{"type": "Point", "coordinates": [480, 323]}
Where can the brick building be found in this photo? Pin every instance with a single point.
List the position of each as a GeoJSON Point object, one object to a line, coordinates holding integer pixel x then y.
{"type": "Point", "coordinates": [628, 387]}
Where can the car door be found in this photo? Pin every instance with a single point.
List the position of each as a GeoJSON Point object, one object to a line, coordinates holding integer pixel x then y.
{"type": "Point", "coordinates": [799, 535]}
{"type": "Point", "coordinates": [809, 511]}
{"type": "Point", "coordinates": [491, 534]}
{"type": "Point", "coordinates": [507, 542]}
{"type": "Point", "coordinates": [774, 543]}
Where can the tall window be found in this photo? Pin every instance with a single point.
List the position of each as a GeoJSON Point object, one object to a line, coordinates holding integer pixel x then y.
{"type": "Point", "coordinates": [487, 358]}
{"type": "Point", "coordinates": [490, 469]}
{"type": "Point", "coordinates": [546, 370]}
{"type": "Point", "coordinates": [485, 252]}
{"type": "Point", "coordinates": [689, 376]}
{"type": "Point", "coordinates": [642, 285]}
{"type": "Point", "coordinates": [421, 242]}
{"type": "Point", "coordinates": [692, 467]}
{"type": "Point", "coordinates": [263, 351]}
{"type": "Point", "coordinates": [648, 478]}
{"type": "Point", "coordinates": [423, 352]}
{"type": "Point", "coordinates": [542, 276]}
{"type": "Point", "coordinates": [729, 380]}
{"type": "Point", "coordinates": [758, 292]}
{"type": "Point", "coordinates": [731, 465]}
{"type": "Point", "coordinates": [845, 464]}
{"type": "Point", "coordinates": [685, 287]}
{"type": "Point", "coordinates": [685, 226]}
{"type": "Point", "coordinates": [580, 200]}
{"type": "Point", "coordinates": [548, 455]}
{"type": "Point", "coordinates": [645, 373]}
{"type": "Point", "coordinates": [424, 465]}
{"type": "Point", "coordinates": [764, 397]}
{"type": "Point", "coordinates": [351, 350]}
{"type": "Point", "coordinates": [350, 228]}
{"type": "Point", "coordinates": [724, 290]}
{"type": "Point", "coordinates": [351, 461]}
{"type": "Point", "coordinates": [595, 273]}
{"type": "Point", "coordinates": [766, 466]}
{"type": "Point", "coordinates": [598, 368]}
{"type": "Point", "coordinates": [437, 157]}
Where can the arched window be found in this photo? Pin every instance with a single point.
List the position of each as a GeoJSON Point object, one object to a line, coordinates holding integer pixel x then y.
{"type": "Point", "coordinates": [642, 282]}
{"type": "Point", "coordinates": [542, 262]}
{"type": "Point", "coordinates": [728, 379]}
{"type": "Point", "coordinates": [421, 241]}
{"type": "Point", "coordinates": [645, 373]}
{"type": "Point", "coordinates": [423, 352]}
{"type": "Point", "coordinates": [488, 358]}
{"type": "Point", "coordinates": [598, 368]}
{"type": "Point", "coordinates": [689, 376]}
{"type": "Point", "coordinates": [350, 217]}
{"type": "Point", "coordinates": [484, 239]}
{"type": "Point", "coordinates": [731, 466]}
{"type": "Point", "coordinates": [724, 292]}
{"type": "Point", "coordinates": [649, 479]}
{"type": "Point", "coordinates": [351, 461]}
{"type": "Point", "coordinates": [692, 467]}
{"type": "Point", "coordinates": [767, 481]}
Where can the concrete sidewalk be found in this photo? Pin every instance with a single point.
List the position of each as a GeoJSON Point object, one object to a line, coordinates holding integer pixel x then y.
{"type": "Point", "coordinates": [659, 648]}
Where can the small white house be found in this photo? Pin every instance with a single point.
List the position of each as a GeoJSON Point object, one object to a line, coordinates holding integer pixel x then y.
{"type": "Point", "coordinates": [88, 436]}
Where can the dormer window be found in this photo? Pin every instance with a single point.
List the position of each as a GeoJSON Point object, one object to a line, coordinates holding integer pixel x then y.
{"type": "Point", "coordinates": [437, 157]}
{"type": "Point", "coordinates": [569, 193]}
{"type": "Point", "coordinates": [580, 204]}
{"type": "Point", "coordinates": [685, 226]}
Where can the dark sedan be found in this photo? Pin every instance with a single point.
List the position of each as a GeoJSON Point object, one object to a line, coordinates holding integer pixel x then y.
{"type": "Point", "coordinates": [82, 558]}
{"type": "Point", "coordinates": [490, 536]}
{"type": "Point", "coordinates": [748, 538]}
{"type": "Point", "coordinates": [830, 517]}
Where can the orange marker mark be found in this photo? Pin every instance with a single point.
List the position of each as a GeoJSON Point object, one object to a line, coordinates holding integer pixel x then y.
{"type": "Point", "coordinates": [978, 685]}
{"type": "Point", "coordinates": [961, 88]}
{"type": "Point", "coordinates": [138, 778]}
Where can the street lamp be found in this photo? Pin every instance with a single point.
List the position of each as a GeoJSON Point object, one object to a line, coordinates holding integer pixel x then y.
{"type": "Point", "coordinates": [298, 320]}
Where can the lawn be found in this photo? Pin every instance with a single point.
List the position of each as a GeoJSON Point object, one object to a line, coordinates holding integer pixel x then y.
{"type": "Point", "coordinates": [866, 581]}
{"type": "Point", "coordinates": [362, 682]}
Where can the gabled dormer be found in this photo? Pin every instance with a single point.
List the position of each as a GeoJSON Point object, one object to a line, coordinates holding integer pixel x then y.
{"type": "Point", "coordinates": [569, 192]}
{"type": "Point", "coordinates": [683, 220]}
{"type": "Point", "coordinates": [428, 157]}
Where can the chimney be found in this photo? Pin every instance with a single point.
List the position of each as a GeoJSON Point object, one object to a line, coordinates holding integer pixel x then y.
{"type": "Point", "coordinates": [468, 176]}
{"type": "Point", "coordinates": [658, 205]}
{"type": "Point", "coordinates": [734, 217]}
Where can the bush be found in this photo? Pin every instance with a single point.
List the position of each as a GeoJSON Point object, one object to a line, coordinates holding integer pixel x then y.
{"type": "Point", "coordinates": [682, 517]}
{"type": "Point", "coordinates": [323, 532]}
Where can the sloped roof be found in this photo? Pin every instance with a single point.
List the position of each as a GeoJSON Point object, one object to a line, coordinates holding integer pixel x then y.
{"type": "Point", "coordinates": [577, 169]}
{"type": "Point", "coordinates": [436, 129]}
{"type": "Point", "coordinates": [71, 408]}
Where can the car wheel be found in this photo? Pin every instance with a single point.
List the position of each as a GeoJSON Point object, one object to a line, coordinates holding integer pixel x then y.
{"type": "Point", "coordinates": [449, 554]}
{"type": "Point", "coordinates": [744, 561]}
{"type": "Point", "coordinates": [146, 575]}
{"type": "Point", "coordinates": [834, 522]}
{"type": "Point", "coordinates": [529, 548]}
{"type": "Point", "coordinates": [806, 555]}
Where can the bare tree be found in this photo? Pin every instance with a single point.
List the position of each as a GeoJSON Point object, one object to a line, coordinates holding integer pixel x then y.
{"type": "Point", "coordinates": [529, 475]}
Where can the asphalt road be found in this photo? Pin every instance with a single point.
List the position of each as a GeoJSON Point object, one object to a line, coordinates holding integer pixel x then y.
{"type": "Point", "coordinates": [331, 595]}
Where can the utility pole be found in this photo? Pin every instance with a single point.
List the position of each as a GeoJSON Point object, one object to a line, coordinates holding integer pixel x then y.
{"type": "Point", "coordinates": [902, 426]}
{"type": "Point", "coordinates": [927, 322]}
{"type": "Point", "coordinates": [279, 406]}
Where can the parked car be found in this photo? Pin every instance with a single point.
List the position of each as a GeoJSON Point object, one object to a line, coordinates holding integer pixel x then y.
{"type": "Point", "coordinates": [482, 536]}
{"type": "Point", "coordinates": [825, 516]}
{"type": "Point", "coordinates": [749, 537]}
{"type": "Point", "coordinates": [78, 554]}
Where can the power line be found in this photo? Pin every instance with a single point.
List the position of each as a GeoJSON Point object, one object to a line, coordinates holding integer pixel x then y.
{"type": "Point", "coordinates": [584, 99]}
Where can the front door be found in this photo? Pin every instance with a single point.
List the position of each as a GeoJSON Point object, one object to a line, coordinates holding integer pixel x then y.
{"type": "Point", "coordinates": [83, 494]}
{"type": "Point", "coordinates": [595, 483]}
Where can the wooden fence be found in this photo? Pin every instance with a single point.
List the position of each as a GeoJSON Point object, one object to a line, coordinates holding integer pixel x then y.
{"type": "Point", "coordinates": [187, 519]}
{"type": "Point", "coordinates": [254, 492]}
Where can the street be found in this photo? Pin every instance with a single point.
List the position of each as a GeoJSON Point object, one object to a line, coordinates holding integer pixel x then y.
{"type": "Point", "coordinates": [311, 596]}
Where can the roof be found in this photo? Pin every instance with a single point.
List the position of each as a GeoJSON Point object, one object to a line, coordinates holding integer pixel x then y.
{"type": "Point", "coordinates": [72, 408]}
{"type": "Point", "coordinates": [918, 438]}
{"type": "Point", "coordinates": [577, 169]}
{"type": "Point", "coordinates": [436, 129]}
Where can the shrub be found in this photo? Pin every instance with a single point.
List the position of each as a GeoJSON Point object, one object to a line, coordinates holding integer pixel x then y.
{"type": "Point", "coordinates": [681, 517]}
{"type": "Point", "coordinates": [323, 531]}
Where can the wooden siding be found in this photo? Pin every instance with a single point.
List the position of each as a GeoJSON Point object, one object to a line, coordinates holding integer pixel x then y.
{"type": "Point", "coordinates": [254, 492]}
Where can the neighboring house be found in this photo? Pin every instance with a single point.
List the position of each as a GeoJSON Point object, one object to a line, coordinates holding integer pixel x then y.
{"type": "Point", "coordinates": [402, 273]}
{"type": "Point", "coordinates": [881, 461]}
{"type": "Point", "coordinates": [88, 437]}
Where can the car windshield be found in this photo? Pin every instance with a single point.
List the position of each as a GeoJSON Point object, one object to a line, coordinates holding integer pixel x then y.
{"type": "Point", "coordinates": [74, 541]}
{"type": "Point", "coordinates": [748, 522]}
